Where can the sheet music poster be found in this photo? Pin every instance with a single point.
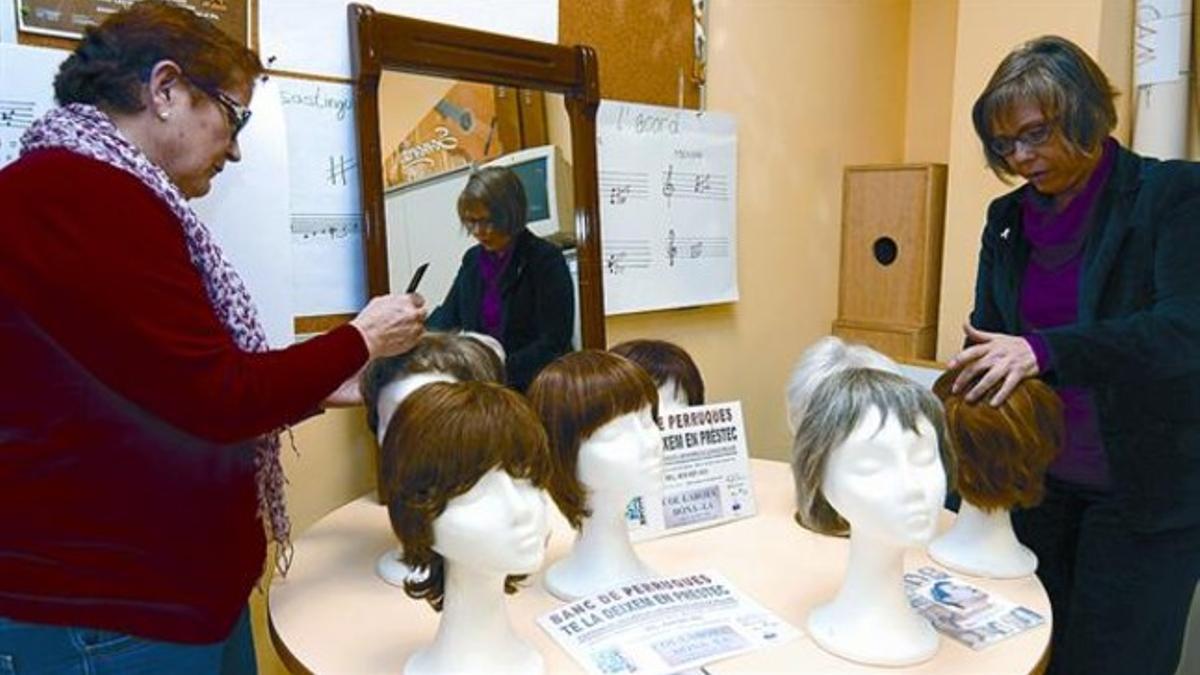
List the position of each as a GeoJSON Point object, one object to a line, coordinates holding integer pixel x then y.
{"type": "Point", "coordinates": [668, 206]}
{"type": "Point", "coordinates": [26, 92]}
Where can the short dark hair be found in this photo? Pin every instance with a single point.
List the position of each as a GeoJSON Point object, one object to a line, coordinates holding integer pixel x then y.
{"type": "Point", "coordinates": [459, 356]}
{"type": "Point", "coordinates": [441, 441]}
{"type": "Point", "coordinates": [114, 59]}
{"type": "Point", "coordinates": [1060, 77]}
{"type": "Point", "coordinates": [575, 395]}
{"type": "Point", "coordinates": [665, 361]}
{"type": "Point", "coordinates": [499, 190]}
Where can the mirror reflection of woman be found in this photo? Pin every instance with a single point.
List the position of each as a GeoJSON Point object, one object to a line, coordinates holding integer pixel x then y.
{"type": "Point", "coordinates": [1087, 278]}
{"type": "Point", "coordinates": [512, 285]}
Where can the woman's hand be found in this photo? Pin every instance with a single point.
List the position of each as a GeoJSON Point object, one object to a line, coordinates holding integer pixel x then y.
{"type": "Point", "coordinates": [993, 358]}
{"type": "Point", "coordinates": [391, 324]}
{"type": "Point", "coordinates": [347, 394]}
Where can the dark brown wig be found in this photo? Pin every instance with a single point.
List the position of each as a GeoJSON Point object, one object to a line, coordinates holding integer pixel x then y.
{"type": "Point", "coordinates": [441, 441]}
{"type": "Point", "coordinates": [1002, 451]}
{"type": "Point", "coordinates": [575, 395]}
{"type": "Point", "coordinates": [459, 356]}
{"type": "Point", "coordinates": [665, 361]}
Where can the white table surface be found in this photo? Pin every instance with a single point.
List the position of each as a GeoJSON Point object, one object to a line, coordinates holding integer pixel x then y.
{"type": "Point", "coordinates": [333, 614]}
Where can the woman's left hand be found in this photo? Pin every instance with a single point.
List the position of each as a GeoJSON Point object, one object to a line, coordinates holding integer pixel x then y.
{"type": "Point", "coordinates": [347, 394]}
{"type": "Point", "coordinates": [993, 358]}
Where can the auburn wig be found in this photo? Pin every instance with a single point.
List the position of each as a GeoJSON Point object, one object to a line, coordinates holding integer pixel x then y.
{"type": "Point", "coordinates": [575, 395]}
{"type": "Point", "coordinates": [1002, 451]}
{"type": "Point", "coordinates": [441, 441]}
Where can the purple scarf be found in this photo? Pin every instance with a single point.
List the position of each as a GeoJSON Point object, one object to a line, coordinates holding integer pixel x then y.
{"type": "Point", "coordinates": [85, 130]}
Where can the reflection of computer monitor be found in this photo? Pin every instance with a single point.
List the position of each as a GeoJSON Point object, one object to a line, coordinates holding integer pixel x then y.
{"type": "Point", "coordinates": [547, 180]}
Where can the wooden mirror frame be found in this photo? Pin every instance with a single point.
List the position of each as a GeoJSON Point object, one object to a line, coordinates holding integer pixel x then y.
{"type": "Point", "coordinates": [384, 41]}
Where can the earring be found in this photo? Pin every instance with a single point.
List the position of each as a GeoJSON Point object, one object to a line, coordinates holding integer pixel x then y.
{"type": "Point", "coordinates": [163, 115]}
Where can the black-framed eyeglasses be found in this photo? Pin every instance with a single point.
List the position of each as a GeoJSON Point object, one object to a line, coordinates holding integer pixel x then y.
{"type": "Point", "coordinates": [237, 114]}
{"type": "Point", "coordinates": [473, 226]}
{"type": "Point", "coordinates": [1032, 137]}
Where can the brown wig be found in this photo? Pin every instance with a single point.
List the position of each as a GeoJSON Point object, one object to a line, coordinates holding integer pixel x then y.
{"type": "Point", "coordinates": [665, 361]}
{"type": "Point", "coordinates": [114, 59]}
{"type": "Point", "coordinates": [441, 441]}
{"type": "Point", "coordinates": [837, 406]}
{"type": "Point", "coordinates": [499, 190]}
{"type": "Point", "coordinates": [1069, 87]}
{"type": "Point", "coordinates": [1003, 451]}
{"type": "Point", "coordinates": [576, 395]}
{"type": "Point", "coordinates": [461, 357]}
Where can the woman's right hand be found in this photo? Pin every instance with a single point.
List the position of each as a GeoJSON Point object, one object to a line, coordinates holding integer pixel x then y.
{"type": "Point", "coordinates": [391, 324]}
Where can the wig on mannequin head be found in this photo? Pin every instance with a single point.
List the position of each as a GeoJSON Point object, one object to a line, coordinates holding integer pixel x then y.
{"type": "Point", "coordinates": [575, 395]}
{"type": "Point", "coordinates": [459, 356]}
{"type": "Point", "coordinates": [441, 441]}
{"type": "Point", "coordinates": [834, 410]}
{"type": "Point", "coordinates": [1002, 451]}
{"type": "Point", "coordinates": [665, 362]}
{"type": "Point", "coordinates": [825, 357]}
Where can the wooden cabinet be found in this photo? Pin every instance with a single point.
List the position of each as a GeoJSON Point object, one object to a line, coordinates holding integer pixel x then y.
{"type": "Point", "coordinates": [891, 258]}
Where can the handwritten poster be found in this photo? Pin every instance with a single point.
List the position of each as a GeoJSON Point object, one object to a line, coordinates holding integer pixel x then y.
{"type": "Point", "coordinates": [668, 206]}
{"type": "Point", "coordinates": [1162, 41]}
{"type": "Point", "coordinates": [69, 18]}
{"type": "Point", "coordinates": [329, 275]}
{"type": "Point", "coordinates": [247, 212]}
{"type": "Point", "coordinates": [26, 92]}
{"type": "Point", "coordinates": [313, 36]}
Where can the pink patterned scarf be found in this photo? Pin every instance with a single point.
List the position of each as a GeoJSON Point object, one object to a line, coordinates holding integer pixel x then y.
{"type": "Point", "coordinates": [85, 130]}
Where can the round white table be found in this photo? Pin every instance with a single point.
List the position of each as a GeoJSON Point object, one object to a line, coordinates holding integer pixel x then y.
{"type": "Point", "coordinates": [333, 614]}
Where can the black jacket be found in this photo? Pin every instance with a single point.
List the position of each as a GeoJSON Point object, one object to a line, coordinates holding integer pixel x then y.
{"type": "Point", "coordinates": [1136, 342]}
{"type": "Point", "coordinates": [537, 305]}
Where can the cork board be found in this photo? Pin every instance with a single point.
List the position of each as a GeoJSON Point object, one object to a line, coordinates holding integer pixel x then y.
{"type": "Point", "coordinates": [643, 47]}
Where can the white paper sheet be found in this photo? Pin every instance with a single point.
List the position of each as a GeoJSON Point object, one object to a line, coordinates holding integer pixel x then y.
{"type": "Point", "coordinates": [664, 625]}
{"type": "Point", "coordinates": [8, 22]}
{"type": "Point", "coordinates": [329, 276]}
{"type": "Point", "coordinates": [26, 92]}
{"type": "Point", "coordinates": [668, 206]}
{"type": "Point", "coordinates": [1162, 41]}
{"type": "Point", "coordinates": [247, 212]}
{"type": "Point", "coordinates": [313, 36]}
{"type": "Point", "coordinates": [706, 478]}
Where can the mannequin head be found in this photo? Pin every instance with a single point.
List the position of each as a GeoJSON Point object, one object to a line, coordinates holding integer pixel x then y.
{"type": "Point", "coordinates": [455, 357]}
{"type": "Point", "coordinates": [864, 429]}
{"type": "Point", "coordinates": [575, 396]}
{"type": "Point", "coordinates": [825, 357]}
{"type": "Point", "coordinates": [672, 369]}
{"type": "Point", "coordinates": [443, 442]}
{"type": "Point", "coordinates": [1003, 451]}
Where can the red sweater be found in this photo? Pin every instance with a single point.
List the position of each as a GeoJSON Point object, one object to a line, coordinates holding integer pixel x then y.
{"type": "Point", "coordinates": [127, 492]}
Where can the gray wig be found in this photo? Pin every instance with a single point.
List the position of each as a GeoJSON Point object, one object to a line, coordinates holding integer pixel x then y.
{"type": "Point", "coordinates": [837, 406]}
{"type": "Point", "coordinates": [825, 357]}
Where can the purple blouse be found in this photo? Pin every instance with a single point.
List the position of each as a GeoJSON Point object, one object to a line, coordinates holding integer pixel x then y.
{"type": "Point", "coordinates": [491, 309]}
{"type": "Point", "coordinates": [1050, 297]}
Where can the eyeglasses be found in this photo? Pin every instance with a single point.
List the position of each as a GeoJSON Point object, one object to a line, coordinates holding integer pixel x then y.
{"type": "Point", "coordinates": [1031, 138]}
{"type": "Point", "coordinates": [237, 114]}
{"type": "Point", "coordinates": [473, 226]}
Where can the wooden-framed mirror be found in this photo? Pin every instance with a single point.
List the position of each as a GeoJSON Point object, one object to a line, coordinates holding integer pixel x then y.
{"type": "Point", "coordinates": [431, 64]}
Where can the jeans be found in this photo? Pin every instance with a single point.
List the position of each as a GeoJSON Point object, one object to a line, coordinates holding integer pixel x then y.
{"type": "Point", "coordinates": [1120, 598]}
{"type": "Point", "coordinates": [67, 650]}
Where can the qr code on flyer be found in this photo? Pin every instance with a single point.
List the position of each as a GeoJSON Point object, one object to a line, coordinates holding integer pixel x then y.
{"type": "Point", "coordinates": [612, 662]}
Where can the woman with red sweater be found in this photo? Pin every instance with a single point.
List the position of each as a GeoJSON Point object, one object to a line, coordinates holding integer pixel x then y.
{"type": "Point", "coordinates": [141, 410]}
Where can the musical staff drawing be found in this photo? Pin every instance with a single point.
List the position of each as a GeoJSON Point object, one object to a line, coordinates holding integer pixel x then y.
{"type": "Point", "coordinates": [308, 227]}
{"type": "Point", "coordinates": [16, 114]}
{"type": "Point", "coordinates": [694, 185]}
{"type": "Point", "coordinates": [619, 187]}
{"type": "Point", "coordinates": [622, 255]}
{"type": "Point", "coordinates": [694, 248]}
{"type": "Point", "coordinates": [339, 167]}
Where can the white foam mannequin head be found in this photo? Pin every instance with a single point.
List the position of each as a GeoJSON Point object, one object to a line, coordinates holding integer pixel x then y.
{"type": "Point", "coordinates": [619, 460]}
{"type": "Point", "coordinates": [389, 566]}
{"type": "Point", "coordinates": [671, 397]}
{"type": "Point", "coordinates": [888, 482]}
{"type": "Point", "coordinates": [495, 529]}
{"type": "Point", "coordinates": [488, 341]}
{"type": "Point", "coordinates": [983, 544]}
